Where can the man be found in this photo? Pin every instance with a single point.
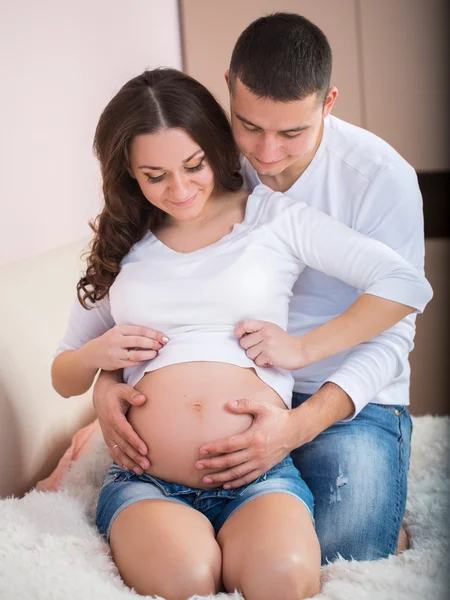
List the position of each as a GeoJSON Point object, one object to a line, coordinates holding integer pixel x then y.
{"type": "Point", "coordinates": [349, 431]}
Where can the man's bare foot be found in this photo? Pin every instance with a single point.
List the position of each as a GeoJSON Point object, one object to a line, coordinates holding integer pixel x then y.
{"type": "Point", "coordinates": [403, 541]}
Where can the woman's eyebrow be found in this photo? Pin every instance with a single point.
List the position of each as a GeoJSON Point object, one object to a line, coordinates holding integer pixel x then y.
{"type": "Point", "coordinates": [186, 160]}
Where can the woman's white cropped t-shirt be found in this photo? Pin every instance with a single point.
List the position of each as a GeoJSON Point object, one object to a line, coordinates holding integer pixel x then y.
{"type": "Point", "coordinates": [197, 298]}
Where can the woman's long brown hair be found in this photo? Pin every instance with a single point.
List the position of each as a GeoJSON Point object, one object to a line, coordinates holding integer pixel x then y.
{"type": "Point", "coordinates": [157, 99]}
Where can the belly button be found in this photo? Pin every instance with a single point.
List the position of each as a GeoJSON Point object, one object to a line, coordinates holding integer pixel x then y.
{"type": "Point", "coordinates": [198, 406]}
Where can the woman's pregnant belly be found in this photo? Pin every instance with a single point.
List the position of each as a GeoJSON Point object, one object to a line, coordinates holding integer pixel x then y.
{"type": "Point", "coordinates": [185, 409]}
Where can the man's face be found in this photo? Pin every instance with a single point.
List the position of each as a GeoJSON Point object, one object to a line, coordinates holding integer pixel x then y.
{"type": "Point", "coordinates": [274, 135]}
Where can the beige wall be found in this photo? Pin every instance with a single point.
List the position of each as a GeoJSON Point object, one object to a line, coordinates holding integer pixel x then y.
{"type": "Point", "coordinates": [210, 30]}
{"type": "Point", "coordinates": [390, 63]}
{"type": "Point", "coordinates": [60, 64]}
{"type": "Point", "coordinates": [405, 59]}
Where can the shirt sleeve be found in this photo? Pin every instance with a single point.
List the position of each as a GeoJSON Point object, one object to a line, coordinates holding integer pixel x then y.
{"type": "Point", "coordinates": [85, 325]}
{"type": "Point", "coordinates": [323, 243]}
{"type": "Point", "coordinates": [392, 213]}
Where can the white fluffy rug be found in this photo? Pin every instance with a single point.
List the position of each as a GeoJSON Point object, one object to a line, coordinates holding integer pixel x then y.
{"type": "Point", "coordinates": [50, 550]}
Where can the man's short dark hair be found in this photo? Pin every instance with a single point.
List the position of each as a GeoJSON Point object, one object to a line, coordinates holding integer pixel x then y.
{"type": "Point", "coordinates": [282, 56]}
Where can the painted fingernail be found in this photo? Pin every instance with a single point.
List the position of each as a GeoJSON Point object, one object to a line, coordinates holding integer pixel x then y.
{"type": "Point", "coordinates": [165, 339]}
{"type": "Point", "coordinates": [208, 480]}
{"type": "Point", "coordinates": [200, 466]}
{"type": "Point", "coordinates": [226, 486]}
{"type": "Point", "coordinates": [143, 465]}
{"type": "Point", "coordinates": [203, 451]}
{"type": "Point", "coordinates": [137, 470]}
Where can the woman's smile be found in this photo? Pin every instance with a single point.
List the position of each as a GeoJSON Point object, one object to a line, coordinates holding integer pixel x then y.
{"type": "Point", "coordinates": [185, 203]}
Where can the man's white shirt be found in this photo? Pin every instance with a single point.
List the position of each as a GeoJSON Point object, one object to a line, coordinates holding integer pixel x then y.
{"type": "Point", "coordinates": [360, 180]}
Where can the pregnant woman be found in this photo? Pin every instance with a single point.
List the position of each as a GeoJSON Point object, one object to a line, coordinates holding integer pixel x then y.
{"type": "Point", "coordinates": [187, 288]}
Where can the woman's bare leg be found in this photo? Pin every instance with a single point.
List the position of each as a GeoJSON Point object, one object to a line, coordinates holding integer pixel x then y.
{"type": "Point", "coordinates": [166, 548]}
{"type": "Point", "coordinates": [270, 550]}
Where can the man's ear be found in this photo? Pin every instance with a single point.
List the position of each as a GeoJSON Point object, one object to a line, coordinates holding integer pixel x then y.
{"type": "Point", "coordinates": [227, 78]}
{"type": "Point", "coordinates": [330, 100]}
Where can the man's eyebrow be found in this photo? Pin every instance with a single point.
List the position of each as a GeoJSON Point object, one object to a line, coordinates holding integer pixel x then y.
{"type": "Point", "coordinates": [291, 129]}
{"type": "Point", "coordinates": [186, 160]}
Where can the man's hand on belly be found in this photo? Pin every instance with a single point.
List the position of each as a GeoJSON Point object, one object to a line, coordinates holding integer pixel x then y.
{"type": "Point", "coordinates": [244, 457]}
{"type": "Point", "coordinates": [112, 401]}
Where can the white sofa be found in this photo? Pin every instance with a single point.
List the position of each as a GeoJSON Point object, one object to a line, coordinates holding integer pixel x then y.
{"type": "Point", "coordinates": [36, 424]}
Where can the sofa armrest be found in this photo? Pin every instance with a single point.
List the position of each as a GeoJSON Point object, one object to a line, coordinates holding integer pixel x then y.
{"type": "Point", "coordinates": [36, 424]}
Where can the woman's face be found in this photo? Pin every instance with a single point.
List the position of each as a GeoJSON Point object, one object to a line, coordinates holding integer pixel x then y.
{"type": "Point", "coordinates": [172, 172]}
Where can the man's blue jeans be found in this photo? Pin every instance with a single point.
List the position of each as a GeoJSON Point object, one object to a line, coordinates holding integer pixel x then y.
{"type": "Point", "coordinates": [357, 472]}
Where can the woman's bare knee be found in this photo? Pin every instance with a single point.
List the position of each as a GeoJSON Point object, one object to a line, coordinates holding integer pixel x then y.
{"type": "Point", "coordinates": [290, 579]}
{"type": "Point", "coordinates": [270, 550]}
{"type": "Point", "coordinates": [202, 577]}
{"type": "Point", "coordinates": [166, 549]}
{"type": "Point", "coordinates": [198, 577]}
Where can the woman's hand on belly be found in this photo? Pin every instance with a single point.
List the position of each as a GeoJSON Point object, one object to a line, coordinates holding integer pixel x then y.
{"type": "Point", "coordinates": [242, 458]}
{"type": "Point", "coordinates": [186, 409]}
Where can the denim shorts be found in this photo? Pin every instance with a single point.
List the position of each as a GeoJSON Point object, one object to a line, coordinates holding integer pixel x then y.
{"type": "Point", "coordinates": [121, 488]}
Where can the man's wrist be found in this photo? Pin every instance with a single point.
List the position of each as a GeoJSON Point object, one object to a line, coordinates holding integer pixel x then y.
{"type": "Point", "coordinates": [107, 378]}
{"type": "Point", "coordinates": [303, 426]}
{"type": "Point", "coordinates": [329, 405]}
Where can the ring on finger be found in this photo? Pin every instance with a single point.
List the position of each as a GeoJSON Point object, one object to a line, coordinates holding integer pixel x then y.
{"type": "Point", "coordinates": [115, 446]}
{"type": "Point", "coordinates": [128, 355]}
